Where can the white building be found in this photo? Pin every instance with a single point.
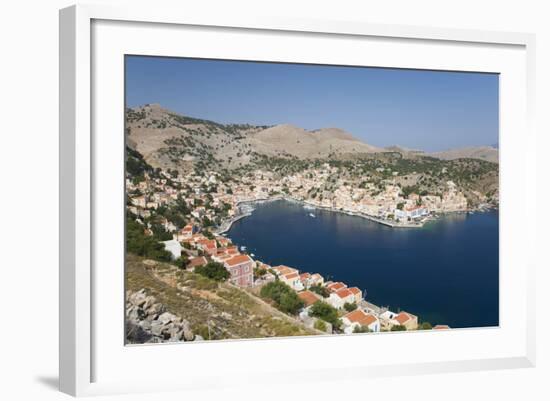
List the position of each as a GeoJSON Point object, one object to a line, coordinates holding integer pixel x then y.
{"type": "Point", "coordinates": [359, 318]}
{"type": "Point", "coordinates": [174, 247]}
{"type": "Point", "coordinates": [411, 212]}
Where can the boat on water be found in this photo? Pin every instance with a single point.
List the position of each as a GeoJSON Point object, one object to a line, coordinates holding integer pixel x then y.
{"type": "Point", "coordinates": [309, 207]}
{"type": "Point", "coordinates": [311, 215]}
{"type": "Point", "coordinates": [243, 248]}
{"type": "Point", "coordinates": [252, 255]}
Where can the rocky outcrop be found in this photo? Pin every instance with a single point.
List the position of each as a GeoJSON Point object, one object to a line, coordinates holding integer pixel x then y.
{"type": "Point", "coordinates": [147, 321]}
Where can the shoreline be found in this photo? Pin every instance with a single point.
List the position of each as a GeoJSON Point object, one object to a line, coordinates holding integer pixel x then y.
{"type": "Point", "coordinates": [226, 225]}
{"type": "Point", "coordinates": [365, 305]}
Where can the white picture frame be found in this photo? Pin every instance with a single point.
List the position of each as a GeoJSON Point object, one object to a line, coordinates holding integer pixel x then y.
{"type": "Point", "coordinates": [89, 359]}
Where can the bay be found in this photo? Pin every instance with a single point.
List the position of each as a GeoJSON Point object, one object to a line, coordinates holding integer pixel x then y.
{"type": "Point", "coordinates": [445, 272]}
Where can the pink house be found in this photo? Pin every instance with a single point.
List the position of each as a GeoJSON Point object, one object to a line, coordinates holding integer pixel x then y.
{"type": "Point", "coordinates": [241, 268]}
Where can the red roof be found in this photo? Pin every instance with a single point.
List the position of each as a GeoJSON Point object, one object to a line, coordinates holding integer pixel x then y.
{"type": "Point", "coordinates": [336, 286]}
{"type": "Point", "coordinates": [355, 290]}
{"type": "Point", "coordinates": [344, 293]}
{"type": "Point", "coordinates": [404, 317]}
{"type": "Point", "coordinates": [199, 261]}
{"type": "Point", "coordinates": [358, 316]}
{"type": "Point", "coordinates": [208, 243]}
{"type": "Point", "coordinates": [308, 297]}
{"type": "Point", "coordinates": [290, 276]}
{"type": "Point", "coordinates": [238, 259]}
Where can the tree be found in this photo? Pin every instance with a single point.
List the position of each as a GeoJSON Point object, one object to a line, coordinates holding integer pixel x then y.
{"type": "Point", "coordinates": [142, 245]}
{"type": "Point", "coordinates": [182, 261]}
{"type": "Point", "coordinates": [320, 325]}
{"type": "Point", "coordinates": [283, 296]}
{"type": "Point", "coordinates": [213, 270]}
{"type": "Point", "coordinates": [259, 272]}
{"type": "Point", "coordinates": [398, 327]}
{"type": "Point", "coordinates": [290, 303]}
{"type": "Point", "coordinates": [160, 233]}
{"type": "Point", "coordinates": [361, 329]}
{"type": "Point", "coordinates": [350, 306]}
{"type": "Point", "coordinates": [425, 326]}
{"type": "Point", "coordinates": [400, 205]}
{"type": "Point", "coordinates": [319, 289]}
{"type": "Point", "coordinates": [328, 313]}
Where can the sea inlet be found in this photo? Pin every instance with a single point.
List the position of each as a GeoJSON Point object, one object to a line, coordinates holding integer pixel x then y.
{"type": "Point", "coordinates": [446, 272]}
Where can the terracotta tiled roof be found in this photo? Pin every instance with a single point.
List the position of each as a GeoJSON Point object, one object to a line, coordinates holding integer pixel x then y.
{"type": "Point", "coordinates": [308, 297]}
{"type": "Point", "coordinates": [404, 317]}
{"type": "Point", "coordinates": [344, 293]}
{"type": "Point", "coordinates": [199, 261]}
{"type": "Point", "coordinates": [282, 269]}
{"type": "Point", "coordinates": [358, 316]}
{"type": "Point", "coordinates": [355, 290]}
{"type": "Point", "coordinates": [238, 259]}
{"type": "Point", "coordinates": [336, 286]}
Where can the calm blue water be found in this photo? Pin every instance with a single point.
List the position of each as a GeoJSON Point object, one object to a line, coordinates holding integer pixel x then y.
{"type": "Point", "coordinates": [445, 272]}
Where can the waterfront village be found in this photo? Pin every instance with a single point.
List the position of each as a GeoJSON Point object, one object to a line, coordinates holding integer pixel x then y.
{"type": "Point", "coordinates": [193, 212]}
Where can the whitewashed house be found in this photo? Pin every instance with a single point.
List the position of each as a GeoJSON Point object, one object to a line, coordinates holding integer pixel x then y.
{"type": "Point", "coordinates": [359, 318]}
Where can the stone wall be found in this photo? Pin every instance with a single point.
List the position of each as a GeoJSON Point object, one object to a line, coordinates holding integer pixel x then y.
{"type": "Point", "coordinates": [148, 321]}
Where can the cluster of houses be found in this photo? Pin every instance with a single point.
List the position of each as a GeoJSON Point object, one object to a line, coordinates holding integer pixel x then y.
{"type": "Point", "coordinates": [218, 249]}
{"type": "Point", "coordinates": [152, 193]}
{"type": "Point", "coordinates": [241, 268]}
{"type": "Point", "coordinates": [385, 202]}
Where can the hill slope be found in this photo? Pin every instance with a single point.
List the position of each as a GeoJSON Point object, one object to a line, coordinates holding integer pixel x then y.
{"type": "Point", "coordinates": [171, 141]}
{"type": "Point", "coordinates": [295, 141]}
{"type": "Point", "coordinates": [487, 153]}
{"type": "Point", "coordinates": [213, 310]}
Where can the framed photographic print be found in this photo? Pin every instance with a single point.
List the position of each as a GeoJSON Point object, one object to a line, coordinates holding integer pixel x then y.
{"type": "Point", "coordinates": [353, 196]}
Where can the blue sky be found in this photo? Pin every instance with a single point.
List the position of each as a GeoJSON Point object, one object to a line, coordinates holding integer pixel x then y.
{"type": "Point", "coordinates": [426, 110]}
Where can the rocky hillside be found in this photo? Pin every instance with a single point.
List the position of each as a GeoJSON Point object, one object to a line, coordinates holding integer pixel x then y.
{"type": "Point", "coordinates": [175, 142]}
{"type": "Point", "coordinates": [147, 321]}
{"type": "Point", "coordinates": [179, 306]}
{"type": "Point", "coordinates": [295, 141]}
{"type": "Point", "coordinates": [487, 153]}
{"type": "Point", "coordinates": [171, 141]}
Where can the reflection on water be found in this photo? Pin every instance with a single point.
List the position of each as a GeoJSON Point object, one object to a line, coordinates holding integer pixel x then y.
{"type": "Point", "coordinates": [446, 272]}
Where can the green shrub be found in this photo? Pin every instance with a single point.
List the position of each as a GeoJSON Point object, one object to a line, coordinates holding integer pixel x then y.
{"type": "Point", "coordinates": [143, 245]}
{"type": "Point", "coordinates": [398, 327]}
{"type": "Point", "coordinates": [283, 296]}
{"type": "Point", "coordinates": [328, 313]}
{"type": "Point", "coordinates": [213, 270]}
{"type": "Point", "coordinates": [350, 307]}
{"type": "Point", "coordinates": [320, 325]}
{"type": "Point", "coordinates": [425, 326]}
{"type": "Point", "coordinates": [319, 289]}
{"type": "Point", "coordinates": [361, 329]}
{"type": "Point", "coordinates": [182, 261]}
